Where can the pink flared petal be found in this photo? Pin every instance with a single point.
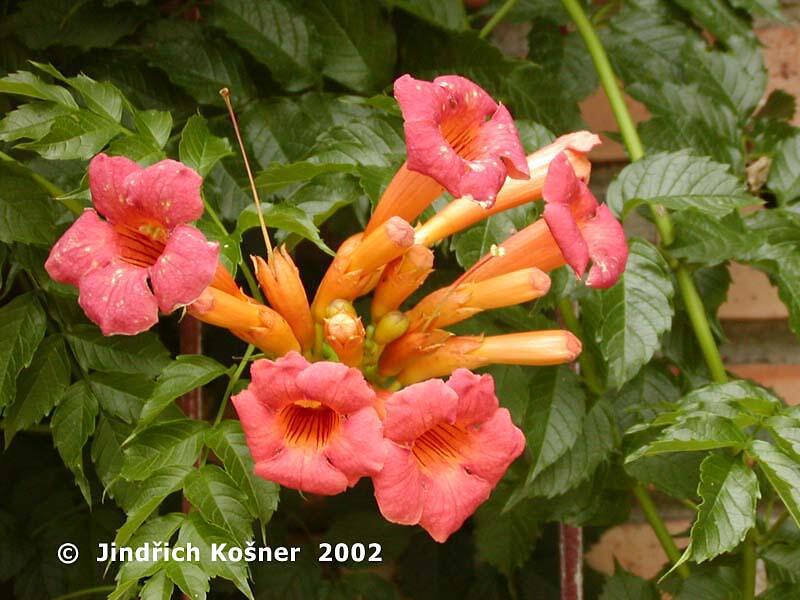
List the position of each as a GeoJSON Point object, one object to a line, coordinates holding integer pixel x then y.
{"type": "Point", "coordinates": [564, 228]}
{"type": "Point", "coordinates": [477, 401]}
{"type": "Point", "coordinates": [458, 135]}
{"type": "Point", "coordinates": [260, 426]}
{"type": "Point", "coordinates": [168, 192]}
{"type": "Point", "coordinates": [117, 298]}
{"type": "Point", "coordinates": [185, 268]}
{"type": "Point", "coordinates": [608, 248]}
{"type": "Point", "coordinates": [339, 387]}
{"type": "Point", "coordinates": [274, 382]}
{"type": "Point", "coordinates": [107, 175]}
{"type": "Point", "coordinates": [454, 494]}
{"type": "Point", "coordinates": [494, 445]}
{"type": "Point", "coordinates": [400, 487]}
{"type": "Point", "coordinates": [359, 449]}
{"type": "Point", "coordinates": [498, 137]}
{"type": "Point", "coordinates": [303, 469]}
{"type": "Point", "coordinates": [563, 186]}
{"type": "Point", "coordinates": [419, 407]}
{"type": "Point", "coordinates": [88, 244]}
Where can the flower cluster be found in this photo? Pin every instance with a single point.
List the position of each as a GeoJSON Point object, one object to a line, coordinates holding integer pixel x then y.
{"type": "Point", "coordinates": [342, 400]}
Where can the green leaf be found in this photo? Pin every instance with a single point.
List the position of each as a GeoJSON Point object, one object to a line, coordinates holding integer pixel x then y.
{"type": "Point", "coordinates": [684, 118]}
{"type": "Point", "coordinates": [102, 98]}
{"type": "Point", "coordinates": [722, 75]}
{"type": "Point", "coordinates": [27, 214]}
{"type": "Point", "coordinates": [138, 148]}
{"type": "Point", "coordinates": [627, 586]}
{"type": "Point", "coordinates": [183, 375]}
{"type": "Point", "coordinates": [158, 587]}
{"type": "Point", "coordinates": [199, 149]}
{"type": "Point", "coordinates": [444, 13]}
{"type": "Point", "coordinates": [371, 142]}
{"type": "Point", "coordinates": [730, 493]}
{"type": "Point", "coordinates": [477, 241]}
{"type": "Point", "coordinates": [285, 217]}
{"type": "Point", "coordinates": [765, 8]}
{"type": "Point", "coordinates": [278, 176]}
{"type": "Point", "coordinates": [151, 493]}
{"type": "Point", "coordinates": [228, 443]}
{"type": "Point", "coordinates": [553, 420]}
{"type": "Point", "coordinates": [189, 578]}
{"type": "Point", "coordinates": [277, 36]}
{"type": "Point", "coordinates": [158, 529]}
{"type": "Point", "coordinates": [172, 443]}
{"type": "Point", "coordinates": [710, 240]}
{"type": "Point", "coordinates": [784, 175]}
{"type": "Point", "coordinates": [203, 535]}
{"type": "Point", "coordinates": [108, 459]}
{"type": "Point", "coordinates": [705, 432]}
{"type": "Point", "coordinates": [32, 120]}
{"type": "Point", "coordinates": [533, 93]}
{"type": "Point", "coordinates": [24, 83]}
{"type": "Point", "coordinates": [22, 328]}
{"type": "Point", "coordinates": [39, 387]}
{"type": "Point", "coordinates": [121, 395]}
{"type": "Point", "coordinates": [782, 473]}
{"type": "Point", "coordinates": [324, 196]}
{"type": "Point", "coordinates": [83, 25]}
{"type": "Point", "coordinates": [627, 320]}
{"type": "Point", "coordinates": [674, 474]}
{"type": "Point", "coordinates": [77, 135]}
{"type": "Point", "coordinates": [744, 395]}
{"type": "Point", "coordinates": [719, 19]}
{"type": "Point", "coordinates": [678, 181]}
{"type": "Point", "coordinates": [643, 397]}
{"type": "Point", "coordinates": [220, 501]}
{"type": "Point", "coordinates": [72, 424]}
{"type": "Point", "coordinates": [198, 62]}
{"type": "Point", "coordinates": [155, 124]}
{"type": "Point", "coordinates": [141, 354]}
{"type": "Point", "coordinates": [579, 462]}
{"type": "Point", "coordinates": [358, 43]}
{"type": "Point", "coordinates": [506, 539]}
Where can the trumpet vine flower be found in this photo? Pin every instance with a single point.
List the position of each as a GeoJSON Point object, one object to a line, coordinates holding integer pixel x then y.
{"type": "Point", "coordinates": [448, 446]}
{"type": "Point", "coordinates": [145, 238]}
{"type": "Point", "coordinates": [311, 426]}
{"type": "Point", "coordinates": [458, 138]}
{"type": "Point", "coordinates": [576, 229]}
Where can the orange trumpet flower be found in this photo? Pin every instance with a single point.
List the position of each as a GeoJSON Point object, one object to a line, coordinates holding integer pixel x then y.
{"type": "Point", "coordinates": [537, 348]}
{"type": "Point", "coordinates": [401, 278]}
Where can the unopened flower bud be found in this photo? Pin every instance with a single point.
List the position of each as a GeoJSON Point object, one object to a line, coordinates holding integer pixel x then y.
{"type": "Point", "coordinates": [340, 305]}
{"type": "Point", "coordinates": [345, 335]}
{"type": "Point", "coordinates": [390, 327]}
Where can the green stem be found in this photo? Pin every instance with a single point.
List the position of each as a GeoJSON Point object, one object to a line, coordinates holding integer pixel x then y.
{"type": "Point", "coordinates": [232, 383]}
{"type": "Point", "coordinates": [100, 589]}
{"type": "Point", "coordinates": [777, 524]}
{"type": "Point", "coordinates": [654, 519]}
{"type": "Point", "coordinates": [749, 567]}
{"type": "Point", "coordinates": [496, 18]}
{"type": "Point", "coordinates": [699, 320]}
{"type": "Point", "coordinates": [589, 370]}
{"type": "Point", "coordinates": [48, 186]}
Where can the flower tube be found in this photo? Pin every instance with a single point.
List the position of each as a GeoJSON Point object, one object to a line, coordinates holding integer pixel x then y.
{"type": "Point", "coordinates": [535, 348]}
{"type": "Point", "coordinates": [455, 303]}
{"type": "Point", "coordinates": [401, 278]}
{"type": "Point", "coordinates": [311, 426]}
{"type": "Point", "coordinates": [463, 212]}
{"type": "Point", "coordinates": [145, 238]}
{"type": "Point", "coordinates": [458, 138]}
{"type": "Point", "coordinates": [448, 446]}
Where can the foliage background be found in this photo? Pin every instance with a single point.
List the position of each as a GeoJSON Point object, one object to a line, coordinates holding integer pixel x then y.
{"type": "Point", "coordinates": [310, 81]}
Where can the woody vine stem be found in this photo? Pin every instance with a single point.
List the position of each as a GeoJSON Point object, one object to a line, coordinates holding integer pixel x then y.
{"type": "Point", "coordinates": [686, 285]}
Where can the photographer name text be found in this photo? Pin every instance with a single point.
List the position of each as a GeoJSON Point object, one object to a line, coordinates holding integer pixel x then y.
{"type": "Point", "coordinates": [221, 552]}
